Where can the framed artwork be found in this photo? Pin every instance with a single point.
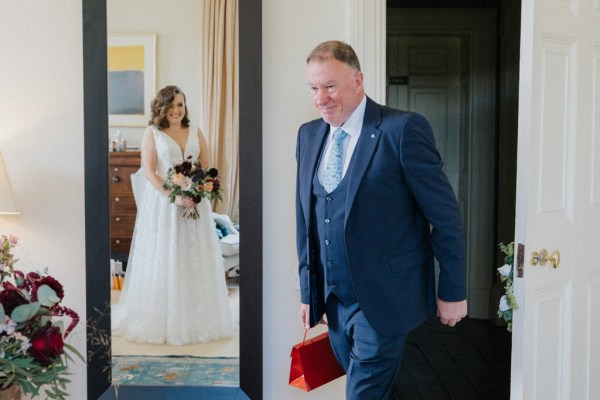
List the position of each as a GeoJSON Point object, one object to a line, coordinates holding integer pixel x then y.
{"type": "Point", "coordinates": [131, 60]}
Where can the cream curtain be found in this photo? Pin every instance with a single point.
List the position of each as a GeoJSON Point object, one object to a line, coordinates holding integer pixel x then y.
{"type": "Point", "coordinates": [220, 96]}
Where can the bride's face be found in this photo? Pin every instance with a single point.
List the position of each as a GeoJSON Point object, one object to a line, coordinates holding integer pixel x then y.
{"type": "Point", "coordinates": [176, 111]}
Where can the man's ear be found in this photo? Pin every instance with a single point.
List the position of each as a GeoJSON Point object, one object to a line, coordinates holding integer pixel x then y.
{"type": "Point", "coordinates": [358, 79]}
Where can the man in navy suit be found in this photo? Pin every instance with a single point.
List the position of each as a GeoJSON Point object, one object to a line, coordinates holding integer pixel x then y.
{"type": "Point", "coordinates": [367, 242]}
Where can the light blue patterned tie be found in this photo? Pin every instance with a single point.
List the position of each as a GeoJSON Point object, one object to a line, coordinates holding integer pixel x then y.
{"type": "Point", "coordinates": [333, 170]}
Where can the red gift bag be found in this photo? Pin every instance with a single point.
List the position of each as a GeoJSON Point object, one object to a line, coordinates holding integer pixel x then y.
{"type": "Point", "coordinates": [313, 363]}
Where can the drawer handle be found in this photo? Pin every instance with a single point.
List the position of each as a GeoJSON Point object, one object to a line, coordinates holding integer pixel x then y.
{"type": "Point", "coordinates": [117, 219]}
{"type": "Point", "coordinates": [116, 179]}
{"type": "Point", "coordinates": [117, 199]}
{"type": "Point", "coordinates": [117, 241]}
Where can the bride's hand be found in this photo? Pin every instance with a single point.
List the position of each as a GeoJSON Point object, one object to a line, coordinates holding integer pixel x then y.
{"type": "Point", "coordinates": [186, 202]}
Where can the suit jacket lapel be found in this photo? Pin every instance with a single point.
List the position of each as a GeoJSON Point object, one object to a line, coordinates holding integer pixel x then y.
{"type": "Point", "coordinates": [313, 152]}
{"type": "Point", "coordinates": [365, 148]}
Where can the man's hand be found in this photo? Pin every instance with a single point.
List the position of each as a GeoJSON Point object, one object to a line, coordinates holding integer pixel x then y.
{"type": "Point", "coordinates": [451, 312]}
{"type": "Point", "coordinates": [305, 315]}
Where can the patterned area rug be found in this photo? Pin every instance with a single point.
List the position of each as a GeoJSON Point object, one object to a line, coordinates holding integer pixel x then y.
{"type": "Point", "coordinates": [173, 370]}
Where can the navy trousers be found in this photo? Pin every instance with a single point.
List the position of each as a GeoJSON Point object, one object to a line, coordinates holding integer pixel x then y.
{"type": "Point", "coordinates": [371, 361]}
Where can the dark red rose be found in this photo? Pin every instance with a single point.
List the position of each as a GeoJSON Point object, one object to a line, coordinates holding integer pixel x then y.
{"type": "Point", "coordinates": [11, 298]}
{"type": "Point", "coordinates": [46, 344]}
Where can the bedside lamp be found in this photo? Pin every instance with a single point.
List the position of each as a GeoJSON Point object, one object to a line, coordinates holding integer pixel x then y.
{"type": "Point", "coordinates": [8, 205]}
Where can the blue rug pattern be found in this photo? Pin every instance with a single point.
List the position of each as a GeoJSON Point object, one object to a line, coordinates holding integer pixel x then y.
{"type": "Point", "coordinates": [176, 370]}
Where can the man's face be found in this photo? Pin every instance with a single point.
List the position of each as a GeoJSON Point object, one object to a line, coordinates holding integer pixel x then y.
{"type": "Point", "coordinates": [336, 89]}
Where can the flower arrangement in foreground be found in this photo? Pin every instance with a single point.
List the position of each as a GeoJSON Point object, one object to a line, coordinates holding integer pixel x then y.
{"type": "Point", "coordinates": [189, 179]}
{"type": "Point", "coordinates": [32, 348]}
{"type": "Point", "coordinates": [508, 303]}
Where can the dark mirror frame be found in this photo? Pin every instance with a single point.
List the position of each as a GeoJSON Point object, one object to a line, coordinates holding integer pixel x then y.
{"type": "Point", "coordinates": [96, 209]}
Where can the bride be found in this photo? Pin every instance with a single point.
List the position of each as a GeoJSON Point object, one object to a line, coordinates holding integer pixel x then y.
{"type": "Point", "coordinates": [175, 290]}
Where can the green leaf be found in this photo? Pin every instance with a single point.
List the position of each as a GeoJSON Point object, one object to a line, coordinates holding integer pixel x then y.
{"type": "Point", "coordinates": [2, 315]}
{"type": "Point", "coordinates": [74, 351]}
{"type": "Point", "coordinates": [47, 296]}
{"type": "Point", "coordinates": [25, 312]}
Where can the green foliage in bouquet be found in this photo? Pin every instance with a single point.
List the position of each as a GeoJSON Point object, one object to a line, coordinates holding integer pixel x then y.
{"type": "Point", "coordinates": [33, 353]}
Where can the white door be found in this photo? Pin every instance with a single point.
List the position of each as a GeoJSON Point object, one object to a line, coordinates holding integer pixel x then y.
{"type": "Point", "coordinates": [556, 331]}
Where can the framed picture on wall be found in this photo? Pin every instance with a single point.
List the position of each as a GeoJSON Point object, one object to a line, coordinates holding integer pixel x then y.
{"type": "Point", "coordinates": [131, 60]}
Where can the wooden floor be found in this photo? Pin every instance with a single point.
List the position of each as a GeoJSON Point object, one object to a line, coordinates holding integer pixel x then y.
{"type": "Point", "coordinates": [471, 361]}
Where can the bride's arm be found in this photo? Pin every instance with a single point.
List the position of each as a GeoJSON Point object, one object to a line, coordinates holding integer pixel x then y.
{"type": "Point", "coordinates": [149, 166]}
{"type": "Point", "coordinates": [204, 157]}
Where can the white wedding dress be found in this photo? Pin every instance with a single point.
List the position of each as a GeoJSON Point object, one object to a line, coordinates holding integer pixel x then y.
{"type": "Point", "coordinates": [175, 291]}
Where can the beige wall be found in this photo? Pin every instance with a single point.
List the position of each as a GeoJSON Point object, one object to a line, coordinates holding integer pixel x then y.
{"type": "Point", "coordinates": [41, 139]}
{"type": "Point", "coordinates": [291, 29]}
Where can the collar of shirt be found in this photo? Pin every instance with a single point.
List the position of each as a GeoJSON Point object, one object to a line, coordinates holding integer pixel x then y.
{"type": "Point", "coordinates": [353, 127]}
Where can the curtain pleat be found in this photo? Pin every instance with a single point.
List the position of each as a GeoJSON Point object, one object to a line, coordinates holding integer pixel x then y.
{"type": "Point", "coordinates": [220, 94]}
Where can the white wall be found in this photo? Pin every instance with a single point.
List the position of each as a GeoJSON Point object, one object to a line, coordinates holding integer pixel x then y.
{"type": "Point", "coordinates": [177, 25]}
{"type": "Point", "coordinates": [291, 29]}
{"type": "Point", "coordinates": [41, 139]}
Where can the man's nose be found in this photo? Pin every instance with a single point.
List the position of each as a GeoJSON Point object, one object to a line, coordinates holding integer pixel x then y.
{"type": "Point", "coordinates": [321, 96]}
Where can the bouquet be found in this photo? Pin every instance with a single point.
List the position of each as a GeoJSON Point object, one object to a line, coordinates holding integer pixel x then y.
{"type": "Point", "coordinates": [508, 302]}
{"type": "Point", "coordinates": [33, 352]}
{"type": "Point", "coordinates": [189, 179]}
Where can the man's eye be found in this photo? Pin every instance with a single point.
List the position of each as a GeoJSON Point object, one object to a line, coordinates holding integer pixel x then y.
{"type": "Point", "coordinates": [330, 87]}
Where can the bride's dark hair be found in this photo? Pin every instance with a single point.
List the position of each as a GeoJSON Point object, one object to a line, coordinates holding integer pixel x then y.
{"type": "Point", "coordinates": [160, 106]}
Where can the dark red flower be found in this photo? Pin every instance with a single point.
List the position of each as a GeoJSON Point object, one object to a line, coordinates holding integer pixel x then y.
{"type": "Point", "coordinates": [46, 344]}
{"type": "Point", "coordinates": [33, 276]}
{"type": "Point", "coordinates": [11, 298]}
{"type": "Point", "coordinates": [199, 175]}
{"type": "Point", "coordinates": [50, 281]}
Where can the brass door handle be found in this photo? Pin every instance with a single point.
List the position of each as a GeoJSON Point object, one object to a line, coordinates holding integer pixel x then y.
{"type": "Point", "coordinates": [542, 257]}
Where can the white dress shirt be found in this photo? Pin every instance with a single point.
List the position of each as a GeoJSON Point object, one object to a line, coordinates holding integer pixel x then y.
{"type": "Point", "coordinates": [353, 127]}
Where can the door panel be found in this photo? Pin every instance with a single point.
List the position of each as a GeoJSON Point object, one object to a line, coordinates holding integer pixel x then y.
{"type": "Point", "coordinates": [554, 348]}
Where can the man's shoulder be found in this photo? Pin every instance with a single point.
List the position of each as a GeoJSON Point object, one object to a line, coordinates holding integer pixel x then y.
{"type": "Point", "coordinates": [385, 112]}
{"type": "Point", "coordinates": [394, 116]}
{"type": "Point", "coordinates": [314, 124]}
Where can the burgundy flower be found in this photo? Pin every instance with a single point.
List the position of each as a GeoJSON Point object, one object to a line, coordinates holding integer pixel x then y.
{"type": "Point", "coordinates": [11, 298]}
{"type": "Point", "coordinates": [33, 276]}
{"type": "Point", "coordinates": [62, 311]}
{"type": "Point", "coordinates": [199, 175]}
{"type": "Point", "coordinates": [50, 281]}
{"type": "Point", "coordinates": [46, 344]}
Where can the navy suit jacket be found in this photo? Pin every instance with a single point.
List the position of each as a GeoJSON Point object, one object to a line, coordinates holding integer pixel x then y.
{"type": "Point", "coordinates": [400, 212]}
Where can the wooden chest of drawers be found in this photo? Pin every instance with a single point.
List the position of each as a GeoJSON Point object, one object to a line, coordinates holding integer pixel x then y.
{"type": "Point", "coordinates": [122, 203]}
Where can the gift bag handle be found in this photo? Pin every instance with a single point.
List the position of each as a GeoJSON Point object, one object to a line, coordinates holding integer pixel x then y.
{"type": "Point", "coordinates": [306, 331]}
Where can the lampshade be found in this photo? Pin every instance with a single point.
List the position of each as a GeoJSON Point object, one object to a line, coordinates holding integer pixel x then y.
{"type": "Point", "coordinates": [8, 205]}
